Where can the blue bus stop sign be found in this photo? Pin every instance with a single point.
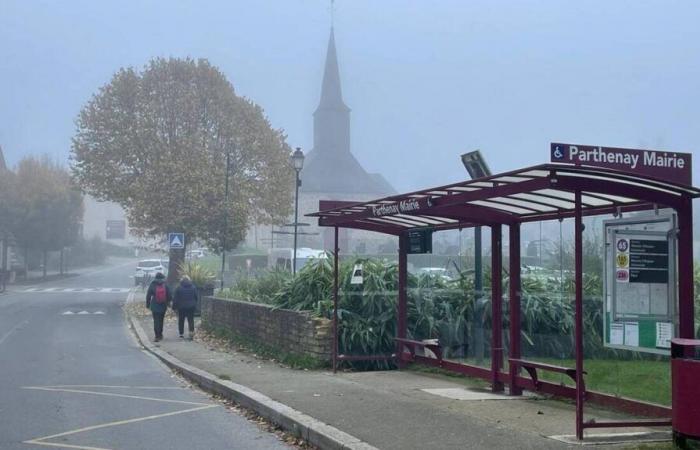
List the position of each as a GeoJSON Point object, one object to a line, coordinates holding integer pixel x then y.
{"type": "Point", "coordinates": [176, 240]}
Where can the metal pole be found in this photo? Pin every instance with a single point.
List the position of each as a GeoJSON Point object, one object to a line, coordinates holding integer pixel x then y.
{"type": "Point", "coordinates": [401, 313]}
{"type": "Point", "coordinates": [223, 234]}
{"type": "Point", "coordinates": [496, 308]}
{"type": "Point", "coordinates": [514, 304]}
{"type": "Point", "coordinates": [336, 252]}
{"type": "Point", "coordinates": [479, 335]}
{"type": "Point", "coordinates": [686, 311]}
{"type": "Point", "coordinates": [296, 220]}
{"type": "Point", "coordinates": [478, 277]}
{"type": "Point", "coordinates": [578, 325]}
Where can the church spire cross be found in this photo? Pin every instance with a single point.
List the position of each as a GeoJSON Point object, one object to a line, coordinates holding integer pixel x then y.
{"type": "Point", "coordinates": [332, 13]}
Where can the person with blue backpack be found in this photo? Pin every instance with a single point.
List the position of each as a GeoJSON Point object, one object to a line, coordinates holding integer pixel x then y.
{"type": "Point", "coordinates": [158, 297]}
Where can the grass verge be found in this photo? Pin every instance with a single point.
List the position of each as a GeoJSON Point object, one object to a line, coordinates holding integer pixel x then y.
{"type": "Point", "coordinates": [648, 381]}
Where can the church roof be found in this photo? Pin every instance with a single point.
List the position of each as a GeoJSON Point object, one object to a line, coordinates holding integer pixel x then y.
{"type": "Point", "coordinates": [340, 173]}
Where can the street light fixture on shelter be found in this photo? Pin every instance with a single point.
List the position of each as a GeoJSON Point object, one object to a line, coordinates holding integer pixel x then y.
{"type": "Point", "coordinates": [297, 160]}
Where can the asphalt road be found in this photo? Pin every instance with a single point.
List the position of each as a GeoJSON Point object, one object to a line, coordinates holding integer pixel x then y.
{"type": "Point", "coordinates": [72, 376]}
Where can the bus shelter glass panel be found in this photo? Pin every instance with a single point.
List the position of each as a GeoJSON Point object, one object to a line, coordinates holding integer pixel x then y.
{"type": "Point", "coordinates": [443, 305]}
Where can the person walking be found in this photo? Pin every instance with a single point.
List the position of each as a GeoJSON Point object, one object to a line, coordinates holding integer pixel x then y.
{"type": "Point", "coordinates": [185, 302]}
{"type": "Point", "coordinates": [158, 297]}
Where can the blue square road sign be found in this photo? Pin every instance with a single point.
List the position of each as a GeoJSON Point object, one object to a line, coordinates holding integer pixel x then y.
{"type": "Point", "coordinates": [176, 240]}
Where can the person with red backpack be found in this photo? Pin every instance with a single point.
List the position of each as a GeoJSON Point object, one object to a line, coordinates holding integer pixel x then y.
{"type": "Point", "coordinates": [158, 297]}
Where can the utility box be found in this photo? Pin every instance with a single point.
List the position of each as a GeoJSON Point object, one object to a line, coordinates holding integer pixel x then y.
{"type": "Point", "coordinates": [685, 385]}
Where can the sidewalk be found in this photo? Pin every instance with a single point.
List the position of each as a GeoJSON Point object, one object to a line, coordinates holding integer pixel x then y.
{"type": "Point", "coordinates": [390, 409]}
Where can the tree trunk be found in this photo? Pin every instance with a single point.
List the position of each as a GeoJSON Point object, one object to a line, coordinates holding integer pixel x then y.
{"type": "Point", "coordinates": [5, 256]}
{"type": "Point", "coordinates": [177, 259]}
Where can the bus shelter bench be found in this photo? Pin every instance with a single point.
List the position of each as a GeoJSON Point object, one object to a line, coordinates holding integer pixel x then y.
{"type": "Point", "coordinates": [532, 366]}
{"type": "Point", "coordinates": [412, 345]}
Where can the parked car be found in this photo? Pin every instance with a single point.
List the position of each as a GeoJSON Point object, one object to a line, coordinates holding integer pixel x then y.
{"type": "Point", "coordinates": [281, 258]}
{"type": "Point", "coordinates": [196, 254]}
{"type": "Point", "coordinates": [147, 269]}
{"type": "Point", "coordinates": [436, 272]}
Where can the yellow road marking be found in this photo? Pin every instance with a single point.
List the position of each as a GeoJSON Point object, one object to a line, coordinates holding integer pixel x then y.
{"type": "Point", "coordinates": [111, 394]}
{"type": "Point", "coordinates": [40, 441]}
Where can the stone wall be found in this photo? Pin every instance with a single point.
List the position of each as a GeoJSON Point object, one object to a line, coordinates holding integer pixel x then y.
{"type": "Point", "coordinates": [286, 331]}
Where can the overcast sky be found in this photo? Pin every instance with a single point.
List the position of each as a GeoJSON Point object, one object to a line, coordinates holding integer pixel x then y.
{"type": "Point", "coordinates": [426, 80]}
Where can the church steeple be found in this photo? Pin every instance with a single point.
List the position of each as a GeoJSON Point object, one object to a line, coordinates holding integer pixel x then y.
{"type": "Point", "coordinates": [330, 167]}
{"type": "Point", "coordinates": [332, 117]}
{"type": "Point", "coordinates": [331, 91]}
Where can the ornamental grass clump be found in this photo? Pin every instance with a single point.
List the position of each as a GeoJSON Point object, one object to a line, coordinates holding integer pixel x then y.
{"type": "Point", "coordinates": [201, 276]}
{"type": "Point", "coordinates": [439, 307]}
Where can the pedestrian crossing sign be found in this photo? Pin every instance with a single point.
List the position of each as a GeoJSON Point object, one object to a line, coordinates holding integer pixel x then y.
{"type": "Point", "coordinates": [176, 240]}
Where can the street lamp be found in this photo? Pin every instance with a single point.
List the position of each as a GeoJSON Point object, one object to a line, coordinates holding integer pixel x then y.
{"type": "Point", "coordinates": [476, 165]}
{"type": "Point", "coordinates": [223, 234]}
{"type": "Point", "coordinates": [297, 160]}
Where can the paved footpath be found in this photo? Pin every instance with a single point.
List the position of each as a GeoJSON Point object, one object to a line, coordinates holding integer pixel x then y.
{"type": "Point", "coordinates": [390, 409]}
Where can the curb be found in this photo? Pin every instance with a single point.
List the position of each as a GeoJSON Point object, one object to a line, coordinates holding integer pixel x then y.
{"type": "Point", "coordinates": [306, 427]}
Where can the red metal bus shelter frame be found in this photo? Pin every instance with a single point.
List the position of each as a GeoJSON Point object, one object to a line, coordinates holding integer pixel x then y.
{"type": "Point", "coordinates": [543, 192]}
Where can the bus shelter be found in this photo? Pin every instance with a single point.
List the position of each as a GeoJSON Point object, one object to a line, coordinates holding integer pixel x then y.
{"type": "Point", "coordinates": [538, 193]}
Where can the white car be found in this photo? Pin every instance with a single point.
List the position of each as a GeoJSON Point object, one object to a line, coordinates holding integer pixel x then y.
{"type": "Point", "coordinates": [196, 254]}
{"type": "Point", "coordinates": [147, 269]}
{"type": "Point", "coordinates": [436, 272]}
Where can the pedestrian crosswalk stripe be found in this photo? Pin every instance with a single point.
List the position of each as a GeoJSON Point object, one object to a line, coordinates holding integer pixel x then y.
{"type": "Point", "coordinates": [96, 290]}
{"type": "Point", "coordinates": [82, 313]}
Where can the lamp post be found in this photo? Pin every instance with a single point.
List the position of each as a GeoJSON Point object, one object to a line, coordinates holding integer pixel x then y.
{"type": "Point", "coordinates": [476, 166]}
{"type": "Point", "coordinates": [298, 164]}
{"type": "Point", "coordinates": [223, 234]}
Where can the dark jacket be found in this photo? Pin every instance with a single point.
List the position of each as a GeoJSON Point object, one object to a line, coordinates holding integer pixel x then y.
{"type": "Point", "coordinates": [151, 296]}
{"type": "Point", "coordinates": [186, 296]}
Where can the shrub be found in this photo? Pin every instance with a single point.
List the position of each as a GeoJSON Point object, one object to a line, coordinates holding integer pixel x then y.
{"type": "Point", "coordinates": [200, 275]}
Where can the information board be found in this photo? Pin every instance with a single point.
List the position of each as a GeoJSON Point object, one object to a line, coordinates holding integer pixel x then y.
{"type": "Point", "coordinates": [419, 241]}
{"type": "Point", "coordinates": [640, 283]}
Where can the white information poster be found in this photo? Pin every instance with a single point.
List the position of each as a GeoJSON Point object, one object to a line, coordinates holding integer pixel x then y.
{"type": "Point", "coordinates": [617, 334]}
{"type": "Point", "coordinates": [632, 334]}
{"type": "Point", "coordinates": [664, 334]}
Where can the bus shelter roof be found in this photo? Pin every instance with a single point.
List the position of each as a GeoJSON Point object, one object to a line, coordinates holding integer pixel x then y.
{"type": "Point", "coordinates": [537, 193]}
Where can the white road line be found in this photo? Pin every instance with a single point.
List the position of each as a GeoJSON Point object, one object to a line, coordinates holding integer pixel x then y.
{"type": "Point", "coordinates": [77, 290]}
{"type": "Point", "coordinates": [102, 386]}
{"type": "Point", "coordinates": [12, 330]}
{"type": "Point", "coordinates": [111, 394]}
{"type": "Point", "coordinates": [40, 441]}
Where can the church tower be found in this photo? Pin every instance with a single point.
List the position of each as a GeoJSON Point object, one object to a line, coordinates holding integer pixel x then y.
{"type": "Point", "coordinates": [330, 167]}
{"type": "Point", "coordinates": [332, 117]}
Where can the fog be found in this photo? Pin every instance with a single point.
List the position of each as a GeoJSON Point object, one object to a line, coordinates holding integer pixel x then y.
{"type": "Point", "coordinates": [426, 81]}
